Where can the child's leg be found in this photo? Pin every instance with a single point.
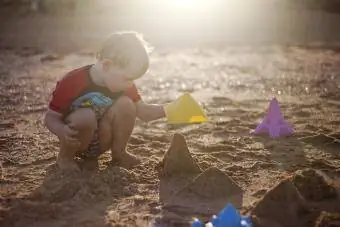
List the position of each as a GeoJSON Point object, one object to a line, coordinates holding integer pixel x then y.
{"type": "Point", "coordinates": [84, 121]}
{"type": "Point", "coordinates": [115, 130]}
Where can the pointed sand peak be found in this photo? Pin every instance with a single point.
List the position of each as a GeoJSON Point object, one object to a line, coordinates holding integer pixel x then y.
{"type": "Point", "coordinates": [178, 160]}
{"type": "Point", "coordinates": [282, 203]}
{"type": "Point", "coordinates": [313, 185]}
{"type": "Point", "coordinates": [212, 184]}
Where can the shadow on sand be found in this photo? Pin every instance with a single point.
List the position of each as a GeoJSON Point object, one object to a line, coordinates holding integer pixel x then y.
{"type": "Point", "coordinates": [288, 152]}
{"type": "Point", "coordinates": [73, 199]}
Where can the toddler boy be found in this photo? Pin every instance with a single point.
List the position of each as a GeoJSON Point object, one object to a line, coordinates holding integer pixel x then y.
{"type": "Point", "coordinates": [93, 108]}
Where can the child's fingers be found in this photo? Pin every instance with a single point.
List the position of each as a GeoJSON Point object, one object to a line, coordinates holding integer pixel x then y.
{"type": "Point", "coordinates": [73, 142]}
{"type": "Point", "coordinates": [73, 133]}
{"type": "Point", "coordinates": [71, 139]}
{"type": "Point", "coordinates": [76, 144]}
{"type": "Point", "coordinates": [70, 131]}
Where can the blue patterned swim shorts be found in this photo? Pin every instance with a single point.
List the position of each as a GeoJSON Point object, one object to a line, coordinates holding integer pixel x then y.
{"type": "Point", "coordinates": [99, 103]}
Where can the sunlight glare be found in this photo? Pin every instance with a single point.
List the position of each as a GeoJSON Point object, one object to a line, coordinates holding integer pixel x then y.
{"type": "Point", "coordinates": [188, 5]}
{"type": "Point", "coordinates": [184, 3]}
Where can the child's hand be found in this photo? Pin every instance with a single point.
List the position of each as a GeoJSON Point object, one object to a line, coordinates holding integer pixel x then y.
{"type": "Point", "coordinates": [69, 136]}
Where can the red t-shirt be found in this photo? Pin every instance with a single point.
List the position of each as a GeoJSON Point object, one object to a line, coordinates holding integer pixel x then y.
{"type": "Point", "coordinates": [78, 82]}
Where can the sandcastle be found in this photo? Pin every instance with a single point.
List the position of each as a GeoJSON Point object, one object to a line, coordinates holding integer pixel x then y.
{"type": "Point", "coordinates": [289, 203]}
{"type": "Point", "coordinates": [210, 184]}
{"type": "Point", "coordinates": [178, 160]}
{"type": "Point", "coordinates": [313, 186]}
{"type": "Point", "coordinates": [203, 192]}
{"type": "Point", "coordinates": [282, 204]}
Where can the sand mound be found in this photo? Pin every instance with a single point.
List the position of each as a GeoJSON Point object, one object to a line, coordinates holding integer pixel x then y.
{"type": "Point", "coordinates": [178, 160]}
{"type": "Point", "coordinates": [82, 187]}
{"type": "Point", "coordinates": [328, 220]}
{"type": "Point", "coordinates": [212, 184]}
{"type": "Point", "coordinates": [204, 195]}
{"type": "Point", "coordinates": [313, 186]}
{"type": "Point", "coordinates": [283, 204]}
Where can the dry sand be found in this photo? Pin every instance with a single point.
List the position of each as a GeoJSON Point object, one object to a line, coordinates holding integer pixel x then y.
{"type": "Point", "coordinates": [234, 85]}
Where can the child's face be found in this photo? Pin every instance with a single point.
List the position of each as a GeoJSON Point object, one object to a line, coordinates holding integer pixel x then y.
{"type": "Point", "coordinates": [116, 79]}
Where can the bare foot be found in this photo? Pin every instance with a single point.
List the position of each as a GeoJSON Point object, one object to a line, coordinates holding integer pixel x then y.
{"type": "Point", "coordinates": [67, 165]}
{"type": "Point", "coordinates": [125, 159]}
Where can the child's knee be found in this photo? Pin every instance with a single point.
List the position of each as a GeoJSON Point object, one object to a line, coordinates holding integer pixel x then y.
{"type": "Point", "coordinates": [82, 119]}
{"type": "Point", "coordinates": [126, 105]}
{"type": "Point", "coordinates": [123, 106]}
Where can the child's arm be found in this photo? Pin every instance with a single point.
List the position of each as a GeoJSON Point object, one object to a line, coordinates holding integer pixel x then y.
{"type": "Point", "coordinates": [149, 112]}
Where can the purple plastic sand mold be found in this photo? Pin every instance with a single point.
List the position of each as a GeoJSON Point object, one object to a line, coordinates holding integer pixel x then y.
{"type": "Point", "coordinates": [273, 123]}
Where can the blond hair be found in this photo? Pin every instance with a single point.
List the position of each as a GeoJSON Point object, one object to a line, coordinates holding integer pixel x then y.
{"type": "Point", "coordinates": [128, 50]}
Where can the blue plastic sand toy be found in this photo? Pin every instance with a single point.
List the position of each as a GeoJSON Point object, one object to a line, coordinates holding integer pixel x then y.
{"type": "Point", "coordinates": [228, 217]}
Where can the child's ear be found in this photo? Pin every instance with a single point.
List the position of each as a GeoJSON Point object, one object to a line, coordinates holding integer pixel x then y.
{"type": "Point", "coordinates": [106, 64]}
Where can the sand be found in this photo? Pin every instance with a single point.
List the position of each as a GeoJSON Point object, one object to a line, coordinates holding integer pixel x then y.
{"type": "Point", "coordinates": [234, 85]}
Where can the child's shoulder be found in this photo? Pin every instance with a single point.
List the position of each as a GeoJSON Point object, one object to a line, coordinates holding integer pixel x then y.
{"type": "Point", "coordinates": [75, 78]}
{"type": "Point", "coordinates": [80, 71]}
{"type": "Point", "coordinates": [77, 73]}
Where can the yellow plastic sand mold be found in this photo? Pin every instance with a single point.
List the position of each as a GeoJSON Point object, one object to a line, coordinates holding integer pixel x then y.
{"type": "Point", "coordinates": [184, 110]}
